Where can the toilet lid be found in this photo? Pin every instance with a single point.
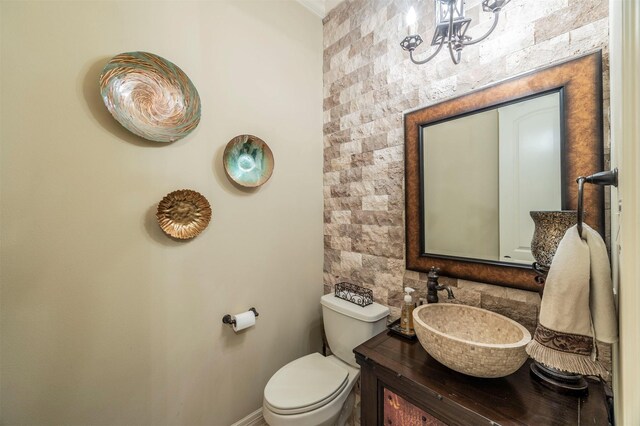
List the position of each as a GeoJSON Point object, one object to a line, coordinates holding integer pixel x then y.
{"type": "Point", "coordinates": [305, 384]}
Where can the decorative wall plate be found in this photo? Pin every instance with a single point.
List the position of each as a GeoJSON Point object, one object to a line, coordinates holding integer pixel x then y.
{"type": "Point", "coordinates": [150, 96]}
{"type": "Point", "coordinates": [183, 214]}
{"type": "Point", "coordinates": [248, 161]}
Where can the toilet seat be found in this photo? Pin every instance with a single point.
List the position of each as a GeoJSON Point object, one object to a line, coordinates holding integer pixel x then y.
{"type": "Point", "coordinates": [305, 384]}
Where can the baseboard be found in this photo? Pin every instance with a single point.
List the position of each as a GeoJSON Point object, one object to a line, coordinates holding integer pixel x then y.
{"type": "Point", "coordinates": [252, 419]}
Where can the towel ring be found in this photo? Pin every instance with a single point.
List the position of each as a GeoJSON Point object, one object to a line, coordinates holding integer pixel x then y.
{"type": "Point", "coordinates": [609, 177]}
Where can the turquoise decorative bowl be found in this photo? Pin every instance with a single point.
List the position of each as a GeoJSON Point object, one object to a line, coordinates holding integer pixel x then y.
{"type": "Point", "coordinates": [248, 161]}
{"type": "Point", "coordinates": [150, 96]}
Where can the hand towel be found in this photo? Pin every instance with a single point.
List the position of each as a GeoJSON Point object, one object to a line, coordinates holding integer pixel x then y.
{"type": "Point", "coordinates": [577, 306]}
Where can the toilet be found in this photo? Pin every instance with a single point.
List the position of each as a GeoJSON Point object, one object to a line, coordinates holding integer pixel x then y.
{"type": "Point", "coordinates": [316, 390]}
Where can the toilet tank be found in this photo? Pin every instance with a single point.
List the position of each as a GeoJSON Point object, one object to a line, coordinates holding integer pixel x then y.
{"type": "Point", "coordinates": [347, 325]}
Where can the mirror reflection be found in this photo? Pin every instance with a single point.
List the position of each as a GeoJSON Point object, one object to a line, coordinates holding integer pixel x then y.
{"type": "Point", "coordinates": [483, 173]}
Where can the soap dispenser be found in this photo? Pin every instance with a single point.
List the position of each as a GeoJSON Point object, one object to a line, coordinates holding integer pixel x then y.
{"type": "Point", "coordinates": [406, 319]}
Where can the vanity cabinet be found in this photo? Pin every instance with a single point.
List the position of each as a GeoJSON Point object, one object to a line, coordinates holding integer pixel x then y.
{"type": "Point", "coordinates": [402, 385]}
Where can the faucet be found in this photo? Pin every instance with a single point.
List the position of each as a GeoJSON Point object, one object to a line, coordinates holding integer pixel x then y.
{"type": "Point", "coordinates": [433, 287]}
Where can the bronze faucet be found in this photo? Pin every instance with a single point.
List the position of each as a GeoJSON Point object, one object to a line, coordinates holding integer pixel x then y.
{"type": "Point", "coordinates": [433, 287]}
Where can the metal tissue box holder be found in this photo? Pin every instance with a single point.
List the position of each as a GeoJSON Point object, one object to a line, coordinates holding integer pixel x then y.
{"type": "Point", "coordinates": [354, 293]}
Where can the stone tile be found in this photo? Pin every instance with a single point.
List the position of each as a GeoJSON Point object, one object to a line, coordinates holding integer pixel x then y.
{"type": "Point", "coordinates": [340, 216]}
{"type": "Point", "coordinates": [352, 78]}
{"type": "Point", "coordinates": [361, 159]}
{"type": "Point", "coordinates": [343, 43]}
{"type": "Point", "coordinates": [522, 312]}
{"type": "Point", "coordinates": [375, 202]}
{"type": "Point", "coordinates": [350, 260]}
{"type": "Point", "coordinates": [412, 275]}
{"type": "Point", "coordinates": [388, 187]}
{"type": "Point", "coordinates": [376, 171]}
{"type": "Point", "coordinates": [375, 263]}
{"type": "Point", "coordinates": [343, 203]}
{"type": "Point", "coordinates": [388, 281]}
{"type": "Point", "coordinates": [340, 243]}
{"type": "Point", "coordinates": [528, 297]}
{"type": "Point", "coordinates": [332, 152]}
{"type": "Point", "coordinates": [358, 46]}
{"type": "Point", "coordinates": [396, 266]}
{"type": "Point", "coordinates": [395, 298]}
{"type": "Point", "coordinates": [351, 175]}
{"type": "Point", "coordinates": [590, 36]}
{"type": "Point", "coordinates": [332, 178]}
{"type": "Point", "coordinates": [336, 191]}
{"type": "Point", "coordinates": [373, 143]}
{"type": "Point", "coordinates": [396, 233]}
{"type": "Point", "coordinates": [359, 189]}
{"type": "Point", "coordinates": [335, 229]}
{"type": "Point", "coordinates": [462, 296]}
{"type": "Point", "coordinates": [493, 290]}
{"type": "Point", "coordinates": [578, 13]}
{"type": "Point", "coordinates": [331, 127]}
{"type": "Point", "coordinates": [451, 282]}
{"type": "Point", "coordinates": [375, 232]}
{"type": "Point", "coordinates": [378, 248]}
{"type": "Point", "coordinates": [338, 137]}
{"type": "Point", "coordinates": [377, 217]}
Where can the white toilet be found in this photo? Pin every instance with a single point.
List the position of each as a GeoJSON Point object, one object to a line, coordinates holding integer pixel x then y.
{"type": "Point", "coordinates": [315, 390]}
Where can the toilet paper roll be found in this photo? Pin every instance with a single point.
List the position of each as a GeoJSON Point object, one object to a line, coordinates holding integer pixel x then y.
{"type": "Point", "coordinates": [244, 320]}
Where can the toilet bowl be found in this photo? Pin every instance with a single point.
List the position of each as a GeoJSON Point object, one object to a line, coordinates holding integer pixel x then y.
{"type": "Point", "coordinates": [310, 391]}
{"type": "Point", "coordinates": [316, 390]}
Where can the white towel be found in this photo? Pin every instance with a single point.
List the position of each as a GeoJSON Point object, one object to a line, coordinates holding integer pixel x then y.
{"type": "Point", "coordinates": [577, 306]}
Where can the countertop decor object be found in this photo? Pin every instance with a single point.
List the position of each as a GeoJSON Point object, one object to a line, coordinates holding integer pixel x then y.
{"type": "Point", "coordinates": [403, 383]}
{"type": "Point", "coordinates": [150, 96]}
{"type": "Point", "coordinates": [550, 227]}
{"type": "Point", "coordinates": [248, 161]}
{"type": "Point", "coordinates": [471, 340]}
{"type": "Point", "coordinates": [354, 293]}
{"type": "Point", "coordinates": [183, 214]}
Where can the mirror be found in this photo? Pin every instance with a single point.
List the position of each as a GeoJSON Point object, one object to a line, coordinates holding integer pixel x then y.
{"type": "Point", "coordinates": [507, 163]}
{"type": "Point", "coordinates": [477, 164]}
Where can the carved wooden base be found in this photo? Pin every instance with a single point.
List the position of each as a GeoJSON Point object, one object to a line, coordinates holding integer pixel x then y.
{"type": "Point", "coordinates": [560, 381]}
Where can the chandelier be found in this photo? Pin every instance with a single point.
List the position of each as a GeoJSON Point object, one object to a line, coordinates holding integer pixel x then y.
{"type": "Point", "coordinates": [451, 28]}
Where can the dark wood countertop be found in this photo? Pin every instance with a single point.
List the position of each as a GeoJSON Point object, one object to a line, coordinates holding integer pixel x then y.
{"type": "Point", "coordinates": [405, 367]}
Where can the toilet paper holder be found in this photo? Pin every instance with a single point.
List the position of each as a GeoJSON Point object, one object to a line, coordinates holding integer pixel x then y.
{"type": "Point", "coordinates": [228, 319]}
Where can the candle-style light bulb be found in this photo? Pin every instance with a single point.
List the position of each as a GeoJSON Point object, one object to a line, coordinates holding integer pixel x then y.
{"type": "Point", "coordinates": [411, 20]}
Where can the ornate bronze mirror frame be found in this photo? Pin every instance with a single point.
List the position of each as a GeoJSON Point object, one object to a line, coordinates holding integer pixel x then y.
{"type": "Point", "coordinates": [579, 82]}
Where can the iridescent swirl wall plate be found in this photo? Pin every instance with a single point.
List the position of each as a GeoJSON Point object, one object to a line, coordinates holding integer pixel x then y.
{"type": "Point", "coordinates": [183, 214]}
{"type": "Point", "coordinates": [248, 161]}
{"type": "Point", "coordinates": [150, 96]}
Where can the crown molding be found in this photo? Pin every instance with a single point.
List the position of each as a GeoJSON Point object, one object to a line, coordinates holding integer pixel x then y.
{"type": "Point", "coordinates": [315, 6]}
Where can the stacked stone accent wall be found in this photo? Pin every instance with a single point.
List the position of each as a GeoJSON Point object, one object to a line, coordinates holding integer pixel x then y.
{"type": "Point", "coordinates": [369, 83]}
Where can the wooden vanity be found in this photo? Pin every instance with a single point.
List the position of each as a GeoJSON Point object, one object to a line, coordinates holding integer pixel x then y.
{"type": "Point", "coordinates": [402, 385]}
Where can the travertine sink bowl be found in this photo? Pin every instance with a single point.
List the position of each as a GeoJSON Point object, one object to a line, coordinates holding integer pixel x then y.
{"type": "Point", "coordinates": [471, 340]}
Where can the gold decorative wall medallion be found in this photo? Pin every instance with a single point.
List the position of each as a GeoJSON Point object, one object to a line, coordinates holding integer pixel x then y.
{"type": "Point", "coordinates": [183, 214]}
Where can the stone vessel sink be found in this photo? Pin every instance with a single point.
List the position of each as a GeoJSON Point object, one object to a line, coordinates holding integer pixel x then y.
{"type": "Point", "coordinates": [471, 340]}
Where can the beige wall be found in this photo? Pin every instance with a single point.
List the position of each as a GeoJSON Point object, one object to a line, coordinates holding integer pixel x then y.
{"type": "Point", "coordinates": [105, 320]}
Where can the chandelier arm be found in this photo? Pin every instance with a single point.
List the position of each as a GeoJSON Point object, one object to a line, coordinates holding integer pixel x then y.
{"type": "Point", "coordinates": [454, 57]}
{"type": "Point", "coordinates": [496, 15]}
{"type": "Point", "coordinates": [424, 61]}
